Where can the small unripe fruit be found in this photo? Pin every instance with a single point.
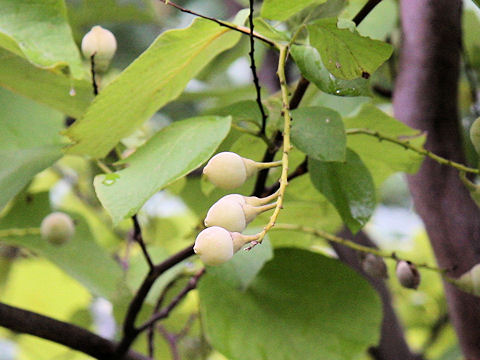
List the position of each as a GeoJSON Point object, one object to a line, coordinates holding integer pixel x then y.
{"type": "Point", "coordinates": [234, 212]}
{"type": "Point", "coordinates": [407, 274]}
{"type": "Point", "coordinates": [228, 213]}
{"type": "Point", "coordinates": [57, 228]}
{"type": "Point", "coordinates": [101, 43]}
{"type": "Point", "coordinates": [374, 266]}
{"type": "Point", "coordinates": [469, 281]}
{"type": "Point", "coordinates": [214, 246]}
{"type": "Point", "coordinates": [228, 170]}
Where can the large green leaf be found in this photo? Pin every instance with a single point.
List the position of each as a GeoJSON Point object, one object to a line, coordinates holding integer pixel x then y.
{"type": "Point", "coordinates": [67, 95]}
{"type": "Point", "coordinates": [29, 142]}
{"type": "Point", "coordinates": [301, 305]}
{"type": "Point", "coordinates": [345, 53]}
{"type": "Point", "coordinates": [381, 157]}
{"type": "Point", "coordinates": [319, 133]}
{"type": "Point", "coordinates": [348, 186]}
{"type": "Point", "coordinates": [38, 30]}
{"type": "Point", "coordinates": [158, 76]}
{"type": "Point", "coordinates": [283, 9]}
{"type": "Point", "coordinates": [312, 68]}
{"type": "Point", "coordinates": [81, 257]}
{"type": "Point", "coordinates": [170, 154]}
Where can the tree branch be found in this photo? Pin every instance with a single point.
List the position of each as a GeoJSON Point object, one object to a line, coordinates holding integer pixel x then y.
{"type": "Point", "coordinates": [130, 332]}
{"type": "Point", "coordinates": [254, 70]}
{"type": "Point", "coordinates": [72, 336]}
{"type": "Point", "coordinates": [425, 97]}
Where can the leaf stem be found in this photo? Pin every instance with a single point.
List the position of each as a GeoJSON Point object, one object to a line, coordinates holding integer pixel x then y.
{"type": "Point", "coordinates": [4, 233]}
{"type": "Point", "coordinates": [407, 145]}
{"type": "Point", "coordinates": [348, 243]}
{"type": "Point", "coordinates": [286, 143]}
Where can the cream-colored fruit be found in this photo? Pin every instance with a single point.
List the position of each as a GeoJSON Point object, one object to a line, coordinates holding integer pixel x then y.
{"type": "Point", "coordinates": [101, 43]}
{"type": "Point", "coordinates": [214, 246]}
{"type": "Point", "coordinates": [228, 170]}
{"type": "Point", "coordinates": [228, 213]}
{"type": "Point", "coordinates": [57, 228]}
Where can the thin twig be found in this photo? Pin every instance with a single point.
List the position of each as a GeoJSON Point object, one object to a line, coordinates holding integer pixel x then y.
{"type": "Point", "coordinates": [137, 236]}
{"type": "Point", "coordinates": [192, 284]}
{"type": "Point", "coordinates": [353, 245]}
{"type": "Point", "coordinates": [158, 305]}
{"type": "Point", "coordinates": [92, 70]}
{"type": "Point", "coordinates": [130, 332]}
{"type": "Point", "coordinates": [234, 27]}
{"type": "Point", "coordinates": [4, 233]}
{"type": "Point", "coordinates": [407, 145]}
{"type": "Point", "coordinates": [256, 82]}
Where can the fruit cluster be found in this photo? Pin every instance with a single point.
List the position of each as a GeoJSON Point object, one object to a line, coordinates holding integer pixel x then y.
{"type": "Point", "coordinates": [230, 215]}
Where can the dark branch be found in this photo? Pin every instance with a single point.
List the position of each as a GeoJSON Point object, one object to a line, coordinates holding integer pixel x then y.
{"type": "Point", "coordinates": [362, 14]}
{"type": "Point", "coordinates": [94, 79]}
{"type": "Point", "coordinates": [254, 70]}
{"type": "Point", "coordinates": [76, 338]}
{"type": "Point", "coordinates": [192, 284]}
{"type": "Point", "coordinates": [137, 236]}
{"type": "Point", "coordinates": [299, 171]}
{"type": "Point", "coordinates": [130, 332]}
{"type": "Point", "coordinates": [219, 22]}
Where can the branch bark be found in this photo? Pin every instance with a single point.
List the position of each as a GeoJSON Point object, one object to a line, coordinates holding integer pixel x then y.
{"type": "Point", "coordinates": [425, 97]}
{"type": "Point", "coordinates": [76, 338]}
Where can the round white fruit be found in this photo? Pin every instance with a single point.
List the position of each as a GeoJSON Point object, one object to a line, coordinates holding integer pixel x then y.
{"type": "Point", "coordinates": [226, 170]}
{"type": "Point", "coordinates": [214, 246]}
{"type": "Point", "coordinates": [57, 228]}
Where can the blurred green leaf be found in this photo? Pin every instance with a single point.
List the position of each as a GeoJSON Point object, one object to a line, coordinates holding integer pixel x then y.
{"type": "Point", "coordinates": [319, 133]}
{"type": "Point", "coordinates": [348, 186]}
{"type": "Point", "coordinates": [29, 142]}
{"type": "Point", "coordinates": [383, 158]}
{"type": "Point", "coordinates": [170, 154]}
{"type": "Point", "coordinates": [283, 9]}
{"type": "Point", "coordinates": [157, 77]}
{"type": "Point", "coordinates": [312, 68]}
{"type": "Point", "coordinates": [60, 92]}
{"type": "Point", "coordinates": [263, 27]}
{"type": "Point", "coordinates": [81, 257]}
{"type": "Point", "coordinates": [242, 111]}
{"type": "Point", "coordinates": [38, 30]}
{"type": "Point", "coordinates": [300, 305]}
{"type": "Point", "coordinates": [345, 53]}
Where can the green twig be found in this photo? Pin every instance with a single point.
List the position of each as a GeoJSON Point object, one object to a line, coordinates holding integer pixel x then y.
{"type": "Point", "coordinates": [407, 145]}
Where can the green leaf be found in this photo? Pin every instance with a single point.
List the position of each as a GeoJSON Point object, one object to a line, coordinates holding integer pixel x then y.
{"type": "Point", "coordinates": [345, 53]}
{"type": "Point", "coordinates": [81, 257]}
{"type": "Point", "coordinates": [283, 9]}
{"type": "Point", "coordinates": [319, 133]}
{"type": "Point", "coordinates": [348, 186]}
{"type": "Point", "coordinates": [301, 305]}
{"type": "Point", "coordinates": [264, 28]}
{"type": "Point", "coordinates": [29, 142]}
{"type": "Point", "coordinates": [242, 111]}
{"type": "Point", "coordinates": [312, 68]}
{"type": "Point", "coordinates": [69, 96]}
{"type": "Point", "coordinates": [170, 154]}
{"type": "Point", "coordinates": [383, 158]}
{"type": "Point", "coordinates": [38, 30]}
{"type": "Point", "coordinates": [157, 77]}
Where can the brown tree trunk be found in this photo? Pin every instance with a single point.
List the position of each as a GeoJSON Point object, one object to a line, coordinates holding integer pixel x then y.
{"type": "Point", "coordinates": [425, 98]}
